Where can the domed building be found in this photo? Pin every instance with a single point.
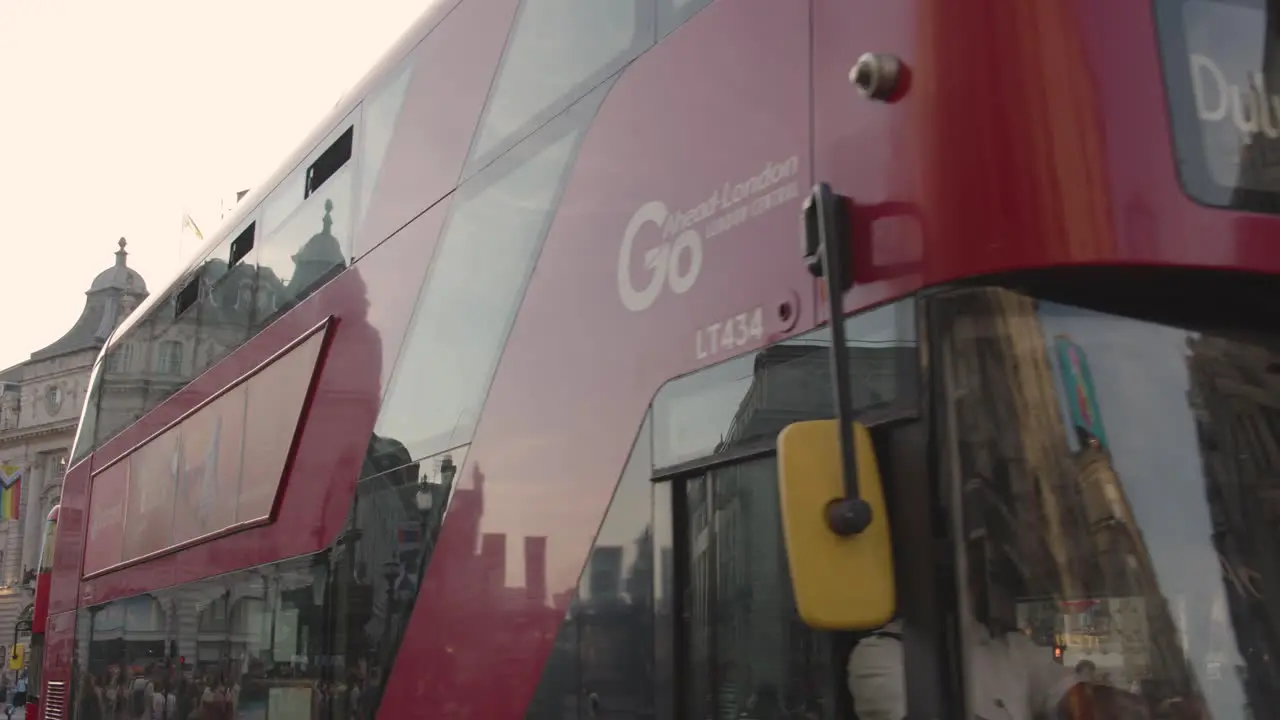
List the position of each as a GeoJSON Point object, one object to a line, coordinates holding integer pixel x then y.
{"type": "Point", "coordinates": [320, 260]}
{"type": "Point", "coordinates": [40, 403]}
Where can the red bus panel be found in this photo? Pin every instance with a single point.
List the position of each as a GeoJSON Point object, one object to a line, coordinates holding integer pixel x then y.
{"type": "Point", "coordinates": [104, 546]}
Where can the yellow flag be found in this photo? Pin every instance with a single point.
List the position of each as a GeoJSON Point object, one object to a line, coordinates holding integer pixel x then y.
{"type": "Point", "coordinates": [189, 224]}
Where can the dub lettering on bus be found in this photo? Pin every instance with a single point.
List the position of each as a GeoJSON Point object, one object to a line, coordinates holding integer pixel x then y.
{"type": "Point", "coordinates": [676, 263]}
{"type": "Point", "coordinates": [1252, 107]}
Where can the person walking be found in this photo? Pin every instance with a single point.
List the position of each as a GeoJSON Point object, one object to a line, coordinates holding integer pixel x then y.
{"type": "Point", "coordinates": [19, 694]}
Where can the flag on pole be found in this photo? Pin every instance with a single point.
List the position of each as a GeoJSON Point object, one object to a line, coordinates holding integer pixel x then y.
{"type": "Point", "coordinates": [188, 223]}
{"type": "Point", "coordinates": [189, 231]}
{"type": "Point", "coordinates": [10, 491]}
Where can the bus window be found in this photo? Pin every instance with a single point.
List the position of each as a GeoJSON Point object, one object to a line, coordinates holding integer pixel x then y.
{"type": "Point", "coordinates": [1117, 481]}
{"type": "Point", "coordinates": [86, 431]}
{"type": "Point", "coordinates": [674, 13]}
{"type": "Point", "coordinates": [558, 50]}
{"type": "Point", "coordinates": [474, 288]}
{"type": "Point", "coordinates": [745, 651]}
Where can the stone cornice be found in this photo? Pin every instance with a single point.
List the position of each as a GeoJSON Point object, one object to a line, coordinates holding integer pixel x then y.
{"type": "Point", "coordinates": [29, 433]}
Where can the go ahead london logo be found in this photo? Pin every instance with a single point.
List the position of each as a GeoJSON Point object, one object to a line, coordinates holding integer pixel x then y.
{"type": "Point", "coordinates": [676, 262]}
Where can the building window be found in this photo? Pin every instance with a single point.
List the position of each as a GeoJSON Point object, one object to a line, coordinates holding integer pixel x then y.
{"type": "Point", "coordinates": [118, 360]}
{"type": "Point", "coordinates": [213, 616]}
{"type": "Point", "coordinates": [170, 359]}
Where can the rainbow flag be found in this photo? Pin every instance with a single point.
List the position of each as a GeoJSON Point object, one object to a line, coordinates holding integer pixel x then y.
{"type": "Point", "coordinates": [11, 495]}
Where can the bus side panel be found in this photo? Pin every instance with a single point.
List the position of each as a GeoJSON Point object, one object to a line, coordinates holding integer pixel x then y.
{"type": "Point", "coordinates": [64, 583]}
{"type": "Point", "coordinates": [956, 177]}
{"type": "Point", "coordinates": [719, 107]}
{"type": "Point", "coordinates": [868, 150]}
{"type": "Point", "coordinates": [40, 613]}
{"type": "Point", "coordinates": [59, 655]}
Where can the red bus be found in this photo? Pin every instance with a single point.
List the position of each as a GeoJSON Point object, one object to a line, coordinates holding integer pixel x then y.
{"type": "Point", "coordinates": [40, 610]}
{"type": "Point", "coordinates": [513, 393]}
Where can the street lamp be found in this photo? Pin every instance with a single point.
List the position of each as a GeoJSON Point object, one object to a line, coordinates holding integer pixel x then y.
{"type": "Point", "coordinates": [423, 499]}
{"type": "Point", "coordinates": [390, 573]}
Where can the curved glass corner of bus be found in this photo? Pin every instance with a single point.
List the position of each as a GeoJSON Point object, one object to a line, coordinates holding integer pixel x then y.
{"type": "Point", "coordinates": [49, 541]}
{"type": "Point", "coordinates": [44, 574]}
{"type": "Point", "coordinates": [85, 430]}
{"type": "Point", "coordinates": [40, 608]}
{"type": "Point", "coordinates": [1117, 474]}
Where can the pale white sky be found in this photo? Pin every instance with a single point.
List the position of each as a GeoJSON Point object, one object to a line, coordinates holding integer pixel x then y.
{"type": "Point", "coordinates": [115, 117]}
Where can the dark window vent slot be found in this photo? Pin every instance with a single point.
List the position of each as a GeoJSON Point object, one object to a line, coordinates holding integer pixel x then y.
{"type": "Point", "coordinates": [241, 246]}
{"type": "Point", "coordinates": [187, 296]}
{"type": "Point", "coordinates": [330, 161]}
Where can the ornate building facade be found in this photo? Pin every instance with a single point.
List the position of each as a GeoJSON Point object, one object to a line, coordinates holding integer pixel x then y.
{"type": "Point", "coordinates": [40, 403]}
{"type": "Point", "coordinates": [1235, 393]}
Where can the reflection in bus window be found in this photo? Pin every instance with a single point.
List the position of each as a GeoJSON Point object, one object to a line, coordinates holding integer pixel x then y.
{"type": "Point", "coordinates": [307, 250]}
{"type": "Point", "coordinates": [122, 387]}
{"type": "Point", "coordinates": [674, 13]}
{"type": "Point", "coordinates": [87, 430]}
{"type": "Point", "coordinates": [752, 397]}
{"type": "Point", "coordinates": [315, 632]}
{"type": "Point", "coordinates": [604, 654]}
{"type": "Point", "coordinates": [1119, 495]}
{"type": "Point", "coordinates": [227, 294]}
{"type": "Point", "coordinates": [171, 357]}
{"type": "Point", "coordinates": [558, 50]}
{"type": "Point", "coordinates": [377, 127]}
{"type": "Point", "coordinates": [163, 350]}
{"type": "Point", "coordinates": [473, 290]}
{"type": "Point", "coordinates": [747, 652]}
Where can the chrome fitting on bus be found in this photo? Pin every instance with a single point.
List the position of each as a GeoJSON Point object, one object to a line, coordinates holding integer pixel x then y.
{"type": "Point", "coordinates": [876, 75]}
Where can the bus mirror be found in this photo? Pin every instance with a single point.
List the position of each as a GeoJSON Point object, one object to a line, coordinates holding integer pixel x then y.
{"type": "Point", "coordinates": [840, 583]}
